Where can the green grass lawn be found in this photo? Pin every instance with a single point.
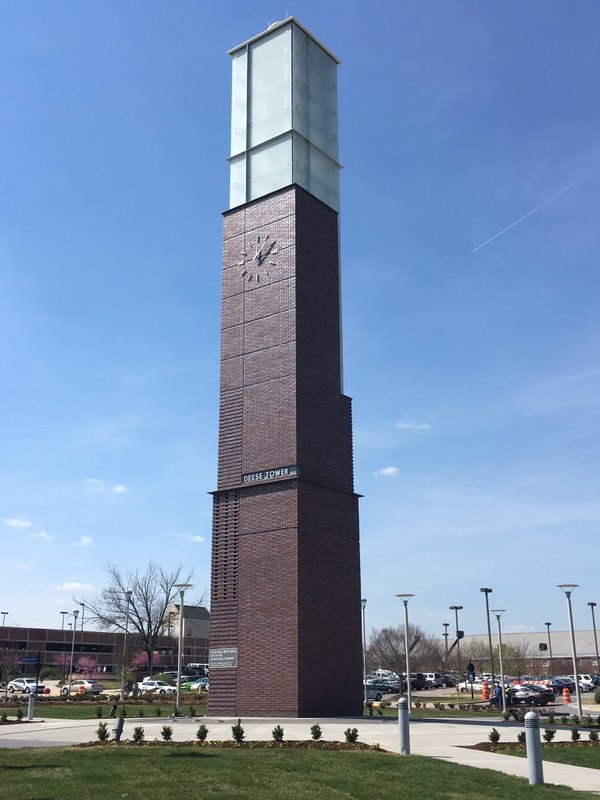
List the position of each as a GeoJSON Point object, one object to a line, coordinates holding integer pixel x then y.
{"type": "Point", "coordinates": [583, 755]}
{"type": "Point", "coordinates": [174, 773]}
{"type": "Point", "coordinates": [77, 710]}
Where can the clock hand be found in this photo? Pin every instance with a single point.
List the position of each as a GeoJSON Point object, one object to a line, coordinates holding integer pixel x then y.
{"type": "Point", "coordinates": [258, 252]}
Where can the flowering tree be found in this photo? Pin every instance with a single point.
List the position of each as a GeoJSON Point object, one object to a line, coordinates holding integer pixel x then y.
{"type": "Point", "coordinates": [62, 660]}
{"type": "Point", "coordinates": [86, 665]}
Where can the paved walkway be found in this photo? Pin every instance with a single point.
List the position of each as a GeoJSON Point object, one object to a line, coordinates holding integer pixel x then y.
{"type": "Point", "coordinates": [443, 739]}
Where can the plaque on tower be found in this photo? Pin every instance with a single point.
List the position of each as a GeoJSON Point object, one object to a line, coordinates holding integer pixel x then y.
{"type": "Point", "coordinates": [285, 582]}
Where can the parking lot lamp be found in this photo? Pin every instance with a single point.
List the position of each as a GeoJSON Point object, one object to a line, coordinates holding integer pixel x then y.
{"type": "Point", "coordinates": [363, 605]}
{"type": "Point", "coordinates": [128, 594]}
{"type": "Point", "coordinates": [456, 609]}
{"type": "Point", "coordinates": [75, 615]}
{"type": "Point", "coordinates": [4, 615]}
{"type": "Point", "coordinates": [64, 614]}
{"type": "Point", "coordinates": [592, 606]}
{"type": "Point", "coordinates": [445, 625]}
{"type": "Point", "coordinates": [568, 589]}
{"type": "Point", "coordinates": [497, 612]}
{"type": "Point", "coordinates": [547, 624]}
{"type": "Point", "coordinates": [487, 593]}
{"type": "Point", "coordinates": [182, 587]}
{"type": "Point", "coordinates": [405, 598]}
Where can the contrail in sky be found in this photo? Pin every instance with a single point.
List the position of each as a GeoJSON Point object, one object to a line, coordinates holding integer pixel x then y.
{"type": "Point", "coordinates": [529, 213]}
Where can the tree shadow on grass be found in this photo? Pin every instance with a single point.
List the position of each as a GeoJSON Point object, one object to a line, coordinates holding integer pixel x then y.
{"type": "Point", "coordinates": [176, 754]}
{"type": "Point", "coordinates": [7, 767]}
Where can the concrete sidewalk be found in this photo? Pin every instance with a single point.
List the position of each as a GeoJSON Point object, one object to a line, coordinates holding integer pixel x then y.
{"type": "Point", "coordinates": [443, 739]}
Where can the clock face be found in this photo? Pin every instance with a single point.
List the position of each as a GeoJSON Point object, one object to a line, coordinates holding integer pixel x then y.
{"type": "Point", "coordinates": [256, 262]}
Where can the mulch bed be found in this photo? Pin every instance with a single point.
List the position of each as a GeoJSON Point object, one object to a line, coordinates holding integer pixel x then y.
{"type": "Point", "coordinates": [488, 747]}
{"type": "Point", "coordinates": [229, 744]}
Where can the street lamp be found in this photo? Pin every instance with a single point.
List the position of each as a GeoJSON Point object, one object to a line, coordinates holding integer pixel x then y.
{"type": "Point", "coordinates": [405, 598]}
{"type": "Point", "coordinates": [456, 609]}
{"type": "Point", "coordinates": [64, 614]}
{"type": "Point", "coordinates": [487, 592]}
{"type": "Point", "coordinates": [446, 625]}
{"type": "Point", "coordinates": [4, 615]}
{"type": "Point", "coordinates": [128, 594]}
{"type": "Point", "coordinates": [497, 612]}
{"type": "Point", "coordinates": [547, 624]}
{"type": "Point", "coordinates": [363, 605]}
{"type": "Point", "coordinates": [182, 587]}
{"type": "Point", "coordinates": [568, 589]}
{"type": "Point", "coordinates": [592, 605]}
{"type": "Point", "coordinates": [75, 615]}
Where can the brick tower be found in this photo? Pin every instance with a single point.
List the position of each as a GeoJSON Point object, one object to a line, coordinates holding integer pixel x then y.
{"type": "Point", "coordinates": [285, 634]}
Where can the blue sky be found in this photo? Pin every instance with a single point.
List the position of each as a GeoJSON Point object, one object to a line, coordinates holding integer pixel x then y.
{"type": "Point", "coordinates": [474, 369]}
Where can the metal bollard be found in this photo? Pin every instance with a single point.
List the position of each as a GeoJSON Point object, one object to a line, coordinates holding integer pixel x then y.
{"type": "Point", "coordinates": [403, 725]}
{"type": "Point", "coordinates": [534, 747]}
{"type": "Point", "coordinates": [118, 729]}
{"type": "Point", "coordinates": [30, 706]}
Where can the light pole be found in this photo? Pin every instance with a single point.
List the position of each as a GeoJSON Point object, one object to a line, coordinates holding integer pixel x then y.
{"type": "Point", "coordinates": [487, 593]}
{"type": "Point", "coordinates": [497, 612]}
{"type": "Point", "coordinates": [128, 594]}
{"type": "Point", "coordinates": [592, 606]}
{"type": "Point", "coordinates": [363, 605]}
{"type": "Point", "coordinates": [547, 624]}
{"type": "Point", "coordinates": [405, 598]}
{"type": "Point", "coordinates": [75, 615]}
{"type": "Point", "coordinates": [456, 609]}
{"type": "Point", "coordinates": [568, 589]}
{"type": "Point", "coordinates": [4, 615]}
{"type": "Point", "coordinates": [182, 587]}
{"type": "Point", "coordinates": [64, 614]}
{"type": "Point", "coordinates": [446, 625]}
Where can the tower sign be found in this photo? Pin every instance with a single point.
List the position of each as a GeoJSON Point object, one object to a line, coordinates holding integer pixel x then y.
{"type": "Point", "coordinates": [285, 592]}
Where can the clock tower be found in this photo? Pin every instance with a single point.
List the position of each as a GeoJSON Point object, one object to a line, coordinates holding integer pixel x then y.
{"type": "Point", "coordinates": [285, 635]}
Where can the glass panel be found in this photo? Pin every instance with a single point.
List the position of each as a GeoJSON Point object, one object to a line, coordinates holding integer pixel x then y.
{"type": "Point", "coordinates": [238, 101]}
{"type": "Point", "coordinates": [300, 84]}
{"type": "Point", "coordinates": [270, 167]}
{"type": "Point", "coordinates": [324, 178]}
{"type": "Point", "coordinates": [237, 181]}
{"type": "Point", "coordinates": [270, 112]}
{"type": "Point", "coordinates": [322, 91]}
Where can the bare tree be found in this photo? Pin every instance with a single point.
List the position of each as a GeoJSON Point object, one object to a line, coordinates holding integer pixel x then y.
{"type": "Point", "coordinates": [387, 650]}
{"type": "Point", "coordinates": [152, 591]}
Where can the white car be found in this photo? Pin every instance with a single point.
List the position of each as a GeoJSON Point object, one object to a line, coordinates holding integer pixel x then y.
{"type": "Point", "coordinates": [157, 687]}
{"type": "Point", "coordinates": [25, 686]}
{"type": "Point", "coordinates": [586, 684]}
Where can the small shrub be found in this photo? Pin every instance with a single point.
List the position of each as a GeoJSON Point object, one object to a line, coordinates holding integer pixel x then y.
{"type": "Point", "coordinates": [123, 712]}
{"type": "Point", "coordinates": [494, 736]}
{"type": "Point", "coordinates": [202, 733]}
{"type": "Point", "coordinates": [19, 713]}
{"type": "Point", "coordinates": [549, 734]}
{"type": "Point", "coordinates": [141, 712]}
{"type": "Point", "coordinates": [597, 696]}
{"type": "Point", "coordinates": [192, 711]}
{"type": "Point", "coordinates": [575, 719]}
{"type": "Point", "coordinates": [351, 734]}
{"type": "Point", "coordinates": [451, 705]}
{"type": "Point", "coordinates": [587, 721]}
{"type": "Point", "coordinates": [521, 737]}
{"type": "Point", "coordinates": [102, 732]}
{"type": "Point", "coordinates": [167, 733]}
{"type": "Point", "coordinates": [441, 706]}
{"type": "Point", "coordinates": [417, 704]}
{"type": "Point", "coordinates": [315, 732]}
{"type": "Point", "coordinates": [505, 715]}
{"type": "Point", "coordinates": [4, 717]}
{"type": "Point", "coordinates": [277, 733]}
{"type": "Point", "coordinates": [575, 735]}
{"type": "Point", "coordinates": [238, 732]}
{"type": "Point", "coordinates": [159, 711]}
{"type": "Point", "coordinates": [177, 713]}
{"type": "Point", "coordinates": [551, 718]}
{"type": "Point", "coordinates": [138, 734]}
{"type": "Point", "coordinates": [593, 735]}
{"type": "Point", "coordinates": [99, 712]}
{"type": "Point", "coordinates": [564, 718]}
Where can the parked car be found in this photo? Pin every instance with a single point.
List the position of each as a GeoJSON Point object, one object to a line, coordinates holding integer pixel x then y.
{"type": "Point", "coordinates": [156, 687]}
{"type": "Point", "coordinates": [195, 685]}
{"type": "Point", "coordinates": [434, 679]}
{"type": "Point", "coordinates": [25, 686]}
{"type": "Point", "coordinates": [531, 695]}
{"type": "Point", "coordinates": [372, 692]}
{"type": "Point", "coordinates": [385, 685]}
{"type": "Point", "coordinates": [81, 686]}
{"type": "Point", "coordinates": [476, 685]}
{"type": "Point", "coordinates": [586, 684]}
{"type": "Point", "coordinates": [448, 681]}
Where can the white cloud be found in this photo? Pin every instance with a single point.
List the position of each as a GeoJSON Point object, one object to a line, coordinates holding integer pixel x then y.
{"type": "Point", "coordinates": [189, 538]}
{"type": "Point", "coordinates": [98, 486]}
{"type": "Point", "coordinates": [43, 535]}
{"type": "Point", "coordinates": [518, 629]}
{"type": "Point", "coordinates": [85, 541]}
{"type": "Point", "coordinates": [17, 522]}
{"type": "Point", "coordinates": [74, 586]}
{"type": "Point", "coordinates": [414, 426]}
{"type": "Point", "coordinates": [386, 471]}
